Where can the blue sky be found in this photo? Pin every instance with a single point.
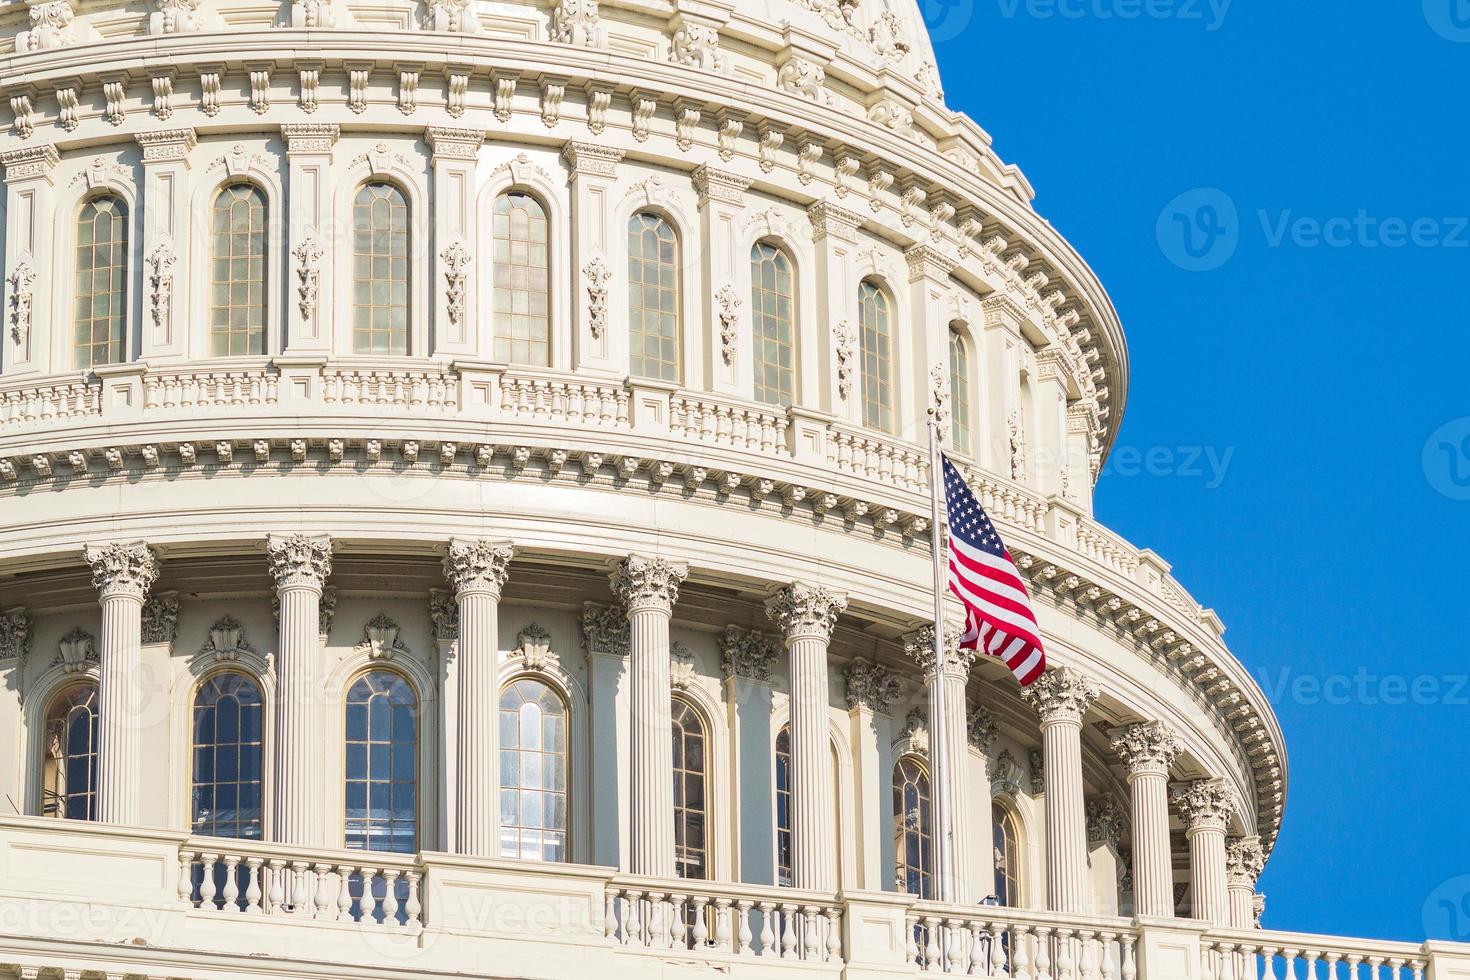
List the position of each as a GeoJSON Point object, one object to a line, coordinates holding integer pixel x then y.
{"type": "Point", "coordinates": [1317, 341]}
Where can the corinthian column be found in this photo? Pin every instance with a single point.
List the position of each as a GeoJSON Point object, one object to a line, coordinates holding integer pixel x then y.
{"type": "Point", "coordinates": [122, 574]}
{"type": "Point", "coordinates": [1244, 860]}
{"type": "Point", "coordinates": [477, 570]}
{"type": "Point", "coordinates": [648, 588]}
{"type": "Point", "coordinates": [806, 615]}
{"type": "Point", "coordinates": [1061, 697]}
{"type": "Point", "coordinates": [1148, 749]}
{"type": "Point", "coordinates": [946, 669]}
{"type": "Point", "coordinates": [1206, 805]}
{"type": "Point", "coordinates": [300, 566]}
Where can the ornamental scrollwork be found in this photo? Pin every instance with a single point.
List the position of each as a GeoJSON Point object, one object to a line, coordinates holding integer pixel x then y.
{"type": "Point", "coordinates": [444, 614]}
{"type": "Point", "coordinates": [1147, 748]}
{"type": "Point", "coordinates": [22, 279]}
{"type": "Point", "coordinates": [698, 46]}
{"type": "Point", "coordinates": [871, 686]}
{"type": "Point", "coordinates": [298, 560]}
{"type": "Point", "coordinates": [76, 650]}
{"type": "Point", "coordinates": [1061, 695]}
{"type": "Point", "coordinates": [598, 275]}
{"type": "Point", "coordinates": [477, 565]}
{"type": "Point", "coordinates": [1205, 804]}
{"type": "Point", "coordinates": [453, 16]}
{"type": "Point", "coordinates": [981, 728]}
{"type": "Point", "coordinates": [1244, 861]}
{"type": "Point", "coordinates": [382, 639]}
{"type": "Point", "coordinates": [53, 25]}
{"type": "Point", "coordinates": [225, 641]}
{"type": "Point", "coordinates": [682, 672]}
{"type": "Point", "coordinates": [161, 618]}
{"type": "Point", "coordinates": [748, 653]}
{"type": "Point", "coordinates": [846, 357]}
{"type": "Point", "coordinates": [161, 283]}
{"type": "Point", "coordinates": [122, 569]}
{"type": "Point", "coordinates": [605, 630]}
{"type": "Point", "coordinates": [456, 260]}
{"type": "Point", "coordinates": [647, 582]}
{"type": "Point", "coordinates": [803, 610]}
{"type": "Point", "coordinates": [15, 634]}
{"type": "Point", "coordinates": [577, 22]}
{"type": "Point", "coordinates": [308, 255]}
{"type": "Point", "coordinates": [954, 660]}
{"type": "Point", "coordinates": [729, 303]}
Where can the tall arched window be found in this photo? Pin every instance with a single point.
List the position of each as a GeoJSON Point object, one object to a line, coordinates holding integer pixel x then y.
{"type": "Point", "coordinates": [382, 764]}
{"type": "Point", "coordinates": [101, 314]}
{"type": "Point", "coordinates": [1007, 855]}
{"type": "Point", "coordinates": [533, 772]}
{"type": "Point", "coordinates": [237, 275]}
{"type": "Point", "coordinates": [874, 336]}
{"type": "Point", "coordinates": [913, 828]}
{"type": "Point", "coordinates": [69, 754]}
{"type": "Point", "coordinates": [380, 270]}
{"type": "Point", "coordinates": [228, 721]}
{"type": "Point", "coordinates": [773, 323]}
{"type": "Point", "coordinates": [691, 813]}
{"type": "Point", "coordinates": [959, 390]}
{"type": "Point", "coordinates": [522, 294]}
{"type": "Point", "coordinates": [783, 807]}
{"type": "Point", "coordinates": [653, 298]}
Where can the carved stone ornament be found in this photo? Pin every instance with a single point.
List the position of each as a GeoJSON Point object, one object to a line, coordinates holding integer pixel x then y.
{"type": "Point", "coordinates": [576, 22]}
{"type": "Point", "coordinates": [1147, 748]}
{"type": "Point", "coordinates": [605, 629]}
{"type": "Point", "coordinates": [729, 303]}
{"type": "Point", "coordinates": [597, 274]}
{"type": "Point", "coordinates": [981, 728]}
{"type": "Point", "coordinates": [444, 614]}
{"type": "Point", "coordinates": [886, 37]}
{"type": "Point", "coordinates": [175, 17]}
{"type": "Point", "coordinates": [1005, 775]}
{"type": "Point", "coordinates": [477, 565]}
{"type": "Point", "coordinates": [1244, 861]}
{"type": "Point", "coordinates": [681, 667]}
{"type": "Point", "coordinates": [22, 279]}
{"type": "Point", "coordinates": [748, 653]}
{"type": "Point", "coordinates": [308, 255]}
{"type": "Point", "coordinates": [381, 639]}
{"type": "Point", "coordinates": [1018, 446]}
{"type": "Point", "coordinates": [1037, 760]}
{"type": "Point", "coordinates": [698, 46]}
{"type": "Point", "coordinates": [161, 283]}
{"type": "Point", "coordinates": [870, 686]}
{"type": "Point", "coordinates": [806, 611]}
{"type": "Point", "coordinates": [122, 569]}
{"type": "Point", "coordinates": [299, 561]}
{"type": "Point", "coordinates": [846, 357]}
{"type": "Point", "coordinates": [453, 16]}
{"type": "Point", "coordinates": [1105, 821]}
{"type": "Point", "coordinates": [647, 582]}
{"type": "Point", "coordinates": [15, 634]}
{"type": "Point", "coordinates": [77, 649]}
{"type": "Point", "coordinates": [313, 13]}
{"type": "Point", "coordinates": [161, 618]}
{"type": "Point", "coordinates": [1205, 804]}
{"type": "Point", "coordinates": [919, 646]}
{"type": "Point", "coordinates": [53, 25]}
{"type": "Point", "coordinates": [533, 643]}
{"type": "Point", "coordinates": [939, 395]}
{"type": "Point", "coordinates": [802, 77]}
{"type": "Point", "coordinates": [225, 641]}
{"type": "Point", "coordinates": [456, 260]}
{"type": "Point", "coordinates": [916, 730]}
{"type": "Point", "coordinates": [1061, 695]}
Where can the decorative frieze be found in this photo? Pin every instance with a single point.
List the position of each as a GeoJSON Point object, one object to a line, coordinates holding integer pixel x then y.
{"type": "Point", "coordinates": [591, 158]}
{"type": "Point", "coordinates": [871, 686]}
{"type": "Point", "coordinates": [29, 162]}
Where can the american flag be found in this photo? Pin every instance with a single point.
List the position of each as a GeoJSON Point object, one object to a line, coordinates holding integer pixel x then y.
{"type": "Point", "coordinates": [998, 616]}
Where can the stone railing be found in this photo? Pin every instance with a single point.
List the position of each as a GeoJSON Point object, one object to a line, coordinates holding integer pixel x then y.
{"type": "Point", "coordinates": [993, 941]}
{"type": "Point", "coordinates": [1248, 955]}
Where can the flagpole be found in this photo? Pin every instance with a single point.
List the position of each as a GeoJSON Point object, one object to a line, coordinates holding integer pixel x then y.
{"type": "Point", "coordinates": [945, 879]}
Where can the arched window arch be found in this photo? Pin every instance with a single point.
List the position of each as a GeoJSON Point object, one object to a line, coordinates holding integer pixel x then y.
{"type": "Point", "coordinates": [69, 754]}
{"type": "Point", "coordinates": [522, 300]}
{"type": "Point", "coordinates": [382, 764]}
{"type": "Point", "coordinates": [959, 390]}
{"type": "Point", "coordinates": [913, 828]}
{"type": "Point", "coordinates": [784, 874]}
{"type": "Point", "coordinates": [100, 320]}
{"type": "Point", "coordinates": [228, 748]}
{"type": "Point", "coordinates": [773, 324]}
{"type": "Point", "coordinates": [1007, 855]}
{"type": "Point", "coordinates": [691, 792]}
{"type": "Point", "coordinates": [534, 738]}
{"type": "Point", "coordinates": [237, 300]}
{"type": "Point", "coordinates": [653, 298]}
{"type": "Point", "coordinates": [380, 257]}
{"type": "Point", "coordinates": [874, 336]}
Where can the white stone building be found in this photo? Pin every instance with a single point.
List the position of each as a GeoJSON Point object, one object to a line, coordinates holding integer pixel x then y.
{"type": "Point", "coordinates": [464, 511]}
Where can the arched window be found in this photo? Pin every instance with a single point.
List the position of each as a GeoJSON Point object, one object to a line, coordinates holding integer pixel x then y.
{"type": "Point", "coordinates": [228, 720]}
{"type": "Point", "coordinates": [380, 270]}
{"type": "Point", "coordinates": [533, 772]}
{"type": "Point", "coordinates": [913, 828]}
{"type": "Point", "coordinates": [1007, 855]}
{"type": "Point", "coordinates": [69, 754]}
{"type": "Point", "coordinates": [237, 276]}
{"type": "Point", "coordinates": [691, 814]}
{"type": "Point", "coordinates": [784, 874]}
{"type": "Point", "coordinates": [873, 335]}
{"type": "Point", "coordinates": [101, 313]}
{"type": "Point", "coordinates": [653, 298]}
{"type": "Point", "coordinates": [382, 764]}
{"type": "Point", "coordinates": [773, 323]}
{"type": "Point", "coordinates": [959, 391]}
{"type": "Point", "coordinates": [522, 296]}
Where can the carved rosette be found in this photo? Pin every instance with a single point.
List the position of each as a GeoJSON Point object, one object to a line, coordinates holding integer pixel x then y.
{"type": "Point", "coordinates": [870, 686]}
{"type": "Point", "coordinates": [1244, 861]}
{"type": "Point", "coordinates": [605, 630]}
{"type": "Point", "coordinates": [802, 610]}
{"type": "Point", "coordinates": [1061, 695]}
{"type": "Point", "coordinates": [646, 582]}
{"type": "Point", "coordinates": [161, 618]}
{"type": "Point", "coordinates": [477, 566]}
{"type": "Point", "coordinates": [982, 728]}
{"type": "Point", "coordinates": [122, 569]}
{"type": "Point", "coordinates": [299, 561]}
{"type": "Point", "coordinates": [748, 653]}
{"type": "Point", "coordinates": [919, 645]}
{"type": "Point", "coordinates": [1205, 804]}
{"type": "Point", "coordinates": [1147, 748]}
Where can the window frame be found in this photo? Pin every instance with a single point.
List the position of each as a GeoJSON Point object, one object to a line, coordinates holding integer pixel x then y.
{"type": "Point", "coordinates": [551, 267]}
{"type": "Point", "coordinates": [961, 391]}
{"type": "Point", "coordinates": [569, 761]}
{"type": "Point", "coordinates": [67, 347]}
{"type": "Point", "coordinates": [1002, 815]}
{"type": "Point", "coordinates": [270, 285]}
{"type": "Point", "coordinates": [682, 811]}
{"type": "Point", "coordinates": [65, 688]}
{"type": "Point", "coordinates": [421, 781]}
{"type": "Point", "coordinates": [887, 423]}
{"type": "Point", "coordinates": [757, 338]}
{"type": "Point", "coordinates": [192, 744]}
{"type": "Point", "coordinates": [924, 786]}
{"type": "Point", "coordinates": [411, 347]}
{"type": "Point", "coordinates": [679, 290]}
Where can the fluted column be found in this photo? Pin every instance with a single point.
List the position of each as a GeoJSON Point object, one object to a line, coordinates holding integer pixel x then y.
{"type": "Point", "coordinates": [1206, 805]}
{"type": "Point", "coordinates": [300, 566]}
{"type": "Point", "coordinates": [122, 574]}
{"type": "Point", "coordinates": [1061, 697]}
{"type": "Point", "coordinates": [1148, 749]}
{"type": "Point", "coordinates": [946, 670]}
{"type": "Point", "coordinates": [648, 587]}
{"type": "Point", "coordinates": [1244, 861]}
{"type": "Point", "coordinates": [477, 570]}
{"type": "Point", "coordinates": [807, 615]}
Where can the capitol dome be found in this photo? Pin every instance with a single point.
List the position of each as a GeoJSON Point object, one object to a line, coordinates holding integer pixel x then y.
{"type": "Point", "coordinates": [465, 507]}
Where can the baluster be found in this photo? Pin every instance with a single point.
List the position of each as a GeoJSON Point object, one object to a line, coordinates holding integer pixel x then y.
{"type": "Point", "coordinates": [367, 903]}
{"type": "Point", "coordinates": [1105, 943]}
{"type": "Point", "coordinates": [1288, 963]}
{"type": "Point", "coordinates": [1066, 964]}
{"type": "Point", "coordinates": [1353, 959]}
{"type": "Point", "coordinates": [658, 920]}
{"type": "Point", "coordinates": [344, 893]}
{"type": "Point", "coordinates": [1311, 956]}
{"type": "Point", "coordinates": [1130, 966]}
{"type": "Point", "coordinates": [811, 927]}
{"type": "Point", "coordinates": [1417, 969]}
{"type": "Point", "coordinates": [1020, 953]}
{"type": "Point", "coordinates": [1207, 961]}
{"type": "Point", "coordinates": [1227, 961]}
{"type": "Point", "coordinates": [788, 931]}
{"type": "Point", "coordinates": [1396, 968]}
{"type": "Point", "coordinates": [743, 934]}
{"type": "Point", "coordinates": [610, 914]}
{"type": "Point", "coordinates": [834, 936]}
{"type": "Point", "coordinates": [768, 930]}
{"type": "Point", "coordinates": [723, 932]}
{"type": "Point", "coordinates": [1087, 962]}
{"type": "Point", "coordinates": [206, 881]}
{"type": "Point", "coordinates": [323, 904]}
{"type": "Point", "coordinates": [979, 951]}
{"type": "Point", "coordinates": [390, 897]}
{"type": "Point", "coordinates": [911, 943]}
{"type": "Point", "coordinates": [300, 902]}
{"type": "Point", "coordinates": [231, 896]}
{"type": "Point", "coordinates": [1331, 958]}
{"type": "Point", "coordinates": [953, 941]}
{"type": "Point", "coordinates": [186, 878]}
{"type": "Point", "coordinates": [633, 936]}
{"type": "Point", "coordinates": [275, 886]}
{"type": "Point", "coordinates": [252, 885]}
{"type": "Point", "coordinates": [1268, 963]}
{"type": "Point", "coordinates": [701, 929]}
{"type": "Point", "coordinates": [932, 951]}
{"type": "Point", "coordinates": [1043, 953]}
{"type": "Point", "coordinates": [413, 907]}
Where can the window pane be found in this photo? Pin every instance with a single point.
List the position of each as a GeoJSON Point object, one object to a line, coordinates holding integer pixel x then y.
{"type": "Point", "coordinates": [653, 298]}
{"type": "Point", "coordinates": [237, 286]}
{"type": "Point", "coordinates": [773, 330]}
{"type": "Point", "coordinates": [877, 363]}
{"type": "Point", "coordinates": [533, 766]}
{"type": "Point", "coordinates": [382, 764]}
{"type": "Point", "coordinates": [69, 756]}
{"type": "Point", "coordinates": [959, 391]}
{"type": "Point", "coordinates": [380, 270]}
{"type": "Point", "coordinates": [522, 277]}
{"type": "Point", "coordinates": [691, 859]}
{"type": "Point", "coordinates": [912, 831]}
{"type": "Point", "coordinates": [100, 311]}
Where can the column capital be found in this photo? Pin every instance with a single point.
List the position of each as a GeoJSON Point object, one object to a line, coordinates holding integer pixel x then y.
{"type": "Point", "coordinates": [803, 610]}
{"type": "Point", "coordinates": [450, 143]}
{"type": "Point", "coordinates": [477, 565]}
{"type": "Point", "coordinates": [830, 219]}
{"type": "Point", "coordinates": [167, 145]}
{"type": "Point", "coordinates": [955, 662]}
{"type": "Point", "coordinates": [1147, 748]}
{"type": "Point", "coordinates": [870, 686]}
{"type": "Point", "coordinates": [1206, 804]}
{"type": "Point", "coordinates": [1245, 859]}
{"type": "Point", "coordinates": [748, 653]}
{"type": "Point", "coordinates": [712, 184]}
{"type": "Point", "coordinates": [310, 138]}
{"type": "Point", "coordinates": [299, 560]}
{"type": "Point", "coordinates": [122, 569]}
{"type": "Point", "coordinates": [1061, 695]}
{"type": "Point", "coordinates": [648, 582]}
{"type": "Point", "coordinates": [591, 158]}
{"type": "Point", "coordinates": [982, 728]}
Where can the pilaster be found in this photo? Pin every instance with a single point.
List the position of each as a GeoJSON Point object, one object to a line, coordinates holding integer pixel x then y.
{"type": "Point", "coordinates": [927, 358]}
{"type": "Point", "coordinates": [871, 692]}
{"type": "Point", "coordinates": [165, 249]}
{"type": "Point", "coordinates": [311, 228]}
{"type": "Point", "coordinates": [724, 279]}
{"type": "Point", "coordinates": [593, 170]}
{"type": "Point", "coordinates": [748, 657]}
{"type": "Point", "coordinates": [453, 160]}
{"type": "Point", "coordinates": [25, 347]}
{"type": "Point", "coordinates": [833, 369]}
